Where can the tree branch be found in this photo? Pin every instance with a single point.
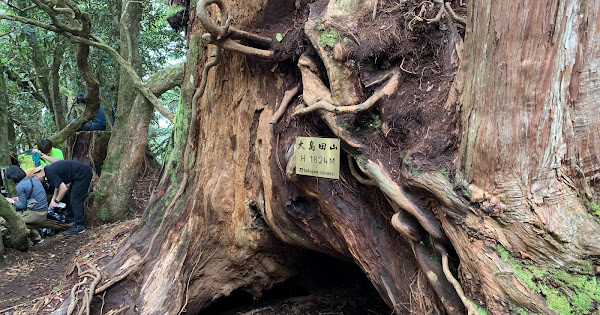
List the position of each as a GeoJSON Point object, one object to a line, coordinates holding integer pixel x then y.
{"type": "Point", "coordinates": [124, 64]}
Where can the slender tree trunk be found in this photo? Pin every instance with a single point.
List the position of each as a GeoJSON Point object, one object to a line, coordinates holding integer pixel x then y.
{"type": "Point", "coordinates": [113, 190]}
{"type": "Point", "coordinates": [56, 105]}
{"type": "Point", "coordinates": [6, 131]}
{"type": "Point", "coordinates": [4, 145]}
{"type": "Point", "coordinates": [129, 47]}
{"type": "Point", "coordinates": [130, 16]}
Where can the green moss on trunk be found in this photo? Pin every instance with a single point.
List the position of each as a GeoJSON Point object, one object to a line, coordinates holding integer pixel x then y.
{"type": "Point", "coordinates": [566, 292]}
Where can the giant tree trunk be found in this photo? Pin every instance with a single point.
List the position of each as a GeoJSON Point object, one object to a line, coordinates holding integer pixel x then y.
{"type": "Point", "coordinates": [529, 144]}
{"type": "Point", "coordinates": [505, 218]}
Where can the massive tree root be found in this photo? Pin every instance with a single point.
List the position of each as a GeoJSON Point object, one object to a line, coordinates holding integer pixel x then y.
{"type": "Point", "coordinates": [410, 220]}
{"type": "Point", "coordinates": [418, 224]}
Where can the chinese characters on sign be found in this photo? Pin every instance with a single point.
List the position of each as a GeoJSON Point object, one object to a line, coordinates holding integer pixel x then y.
{"type": "Point", "coordinates": [318, 157]}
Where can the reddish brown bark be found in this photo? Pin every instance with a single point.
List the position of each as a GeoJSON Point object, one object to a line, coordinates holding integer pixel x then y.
{"type": "Point", "coordinates": [515, 184]}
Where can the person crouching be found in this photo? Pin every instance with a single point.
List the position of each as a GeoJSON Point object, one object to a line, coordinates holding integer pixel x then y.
{"type": "Point", "coordinates": [70, 175]}
{"type": "Point", "coordinates": [31, 202]}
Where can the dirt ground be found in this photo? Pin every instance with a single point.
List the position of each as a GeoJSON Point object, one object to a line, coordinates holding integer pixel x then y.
{"type": "Point", "coordinates": [38, 276]}
{"type": "Point", "coordinates": [38, 281]}
{"type": "Point", "coordinates": [27, 276]}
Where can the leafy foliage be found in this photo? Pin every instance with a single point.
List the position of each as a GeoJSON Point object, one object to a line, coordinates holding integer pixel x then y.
{"type": "Point", "coordinates": [159, 132]}
{"type": "Point", "coordinates": [20, 44]}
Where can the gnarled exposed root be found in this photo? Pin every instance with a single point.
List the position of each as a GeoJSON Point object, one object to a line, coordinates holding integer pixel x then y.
{"type": "Point", "coordinates": [438, 186]}
{"type": "Point", "coordinates": [387, 90]}
{"type": "Point", "coordinates": [406, 225]}
{"type": "Point", "coordinates": [285, 101]}
{"type": "Point", "coordinates": [427, 220]}
{"type": "Point", "coordinates": [454, 16]}
{"type": "Point", "coordinates": [358, 177]}
{"type": "Point", "coordinates": [428, 261]}
{"type": "Point", "coordinates": [218, 32]}
{"type": "Point", "coordinates": [229, 44]}
{"type": "Point", "coordinates": [81, 294]}
{"type": "Point", "coordinates": [316, 91]}
{"type": "Point", "coordinates": [438, 16]}
{"type": "Point", "coordinates": [224, 34]}
{"type": "Point", "coordinates": [468, 304]}
{"type": "Point", "coordinates": [446, 8]}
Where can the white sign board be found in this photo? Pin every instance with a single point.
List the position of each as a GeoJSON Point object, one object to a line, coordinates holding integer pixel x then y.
{"type": "Point", "coordinates": [318, 157]}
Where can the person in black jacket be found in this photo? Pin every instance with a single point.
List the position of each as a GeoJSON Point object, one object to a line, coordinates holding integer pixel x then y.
{"type": "Point", "coordinates": [73, 177]}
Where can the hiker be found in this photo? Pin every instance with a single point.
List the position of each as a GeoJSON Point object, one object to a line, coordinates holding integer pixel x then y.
{"type": "Point", "coordinates": [73, 177]}
{"type": "Point", "coordinates": [48, 153]}
{"type": "Point", "coordinates": [98, 123]}
{"type": "Point", "coordinates": [31, 202]}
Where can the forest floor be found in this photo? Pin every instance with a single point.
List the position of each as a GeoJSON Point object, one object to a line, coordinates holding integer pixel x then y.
{"type": "Point", "coordinates": [38, 281]}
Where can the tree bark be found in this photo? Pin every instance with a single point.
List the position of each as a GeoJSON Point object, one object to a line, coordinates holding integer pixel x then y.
{"type": "Point", "coordinates": [505, 232]}
{"type": "Point", "coordinates": [57, 106]}
{"type": "Point", "coordinates": [528, 91]}
{"type": "Point", "coordinates": [18, 234]}
{"type": "Point", "coordinates": [4, 145]}
{"type": "Point", "coordinates": [127, 150]}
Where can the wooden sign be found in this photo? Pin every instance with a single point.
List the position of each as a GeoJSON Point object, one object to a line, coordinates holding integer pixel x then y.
{"type": "Point", "coordinates": [318, 157]}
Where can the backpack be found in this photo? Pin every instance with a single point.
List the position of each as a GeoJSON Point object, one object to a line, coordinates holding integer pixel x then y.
{"type": "Point", "coordinates": [28, 160]}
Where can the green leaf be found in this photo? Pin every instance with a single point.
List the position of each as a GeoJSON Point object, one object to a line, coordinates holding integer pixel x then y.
{"type": "Point", "coordinates": [89, 255]}
{"type": "Point", "coordinates": [279, 37]}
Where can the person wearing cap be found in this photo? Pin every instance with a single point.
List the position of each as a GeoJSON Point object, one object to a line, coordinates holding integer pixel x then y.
{"type": "Point", "coordinates": [48, 153]}
{"type": "Point", "coordinates": [73, 177]}
{"type": "Point", "coordinates": [28, 188]}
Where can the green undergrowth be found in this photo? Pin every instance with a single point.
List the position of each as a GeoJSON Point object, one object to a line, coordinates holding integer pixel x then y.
{"type": "Point", "coordinates": [103, 214]}
{"type": "Point", "coordinates": [565, 292]}
{"type": "Point", "coordinates": [329, 36]}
